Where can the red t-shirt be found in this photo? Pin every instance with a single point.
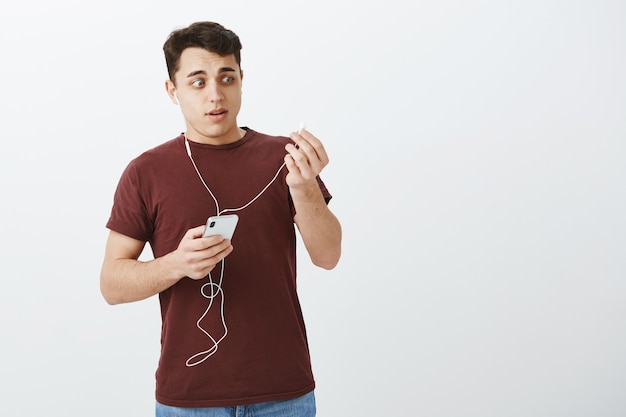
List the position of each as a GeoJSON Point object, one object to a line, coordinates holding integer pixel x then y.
{"type": "Point", "coordinates": [263, 353]}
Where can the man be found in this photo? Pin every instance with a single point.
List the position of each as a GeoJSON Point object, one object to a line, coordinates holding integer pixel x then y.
{"type": "Point", "coordinates": [233, 336]}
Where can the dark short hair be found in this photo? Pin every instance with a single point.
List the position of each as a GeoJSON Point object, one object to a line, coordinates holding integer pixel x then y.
{"type": "Point", "coordinates": [206, 35]}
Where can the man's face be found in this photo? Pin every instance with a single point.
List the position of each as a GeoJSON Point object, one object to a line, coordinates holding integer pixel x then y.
{"type": "Point", "coordinates": [208, 87]}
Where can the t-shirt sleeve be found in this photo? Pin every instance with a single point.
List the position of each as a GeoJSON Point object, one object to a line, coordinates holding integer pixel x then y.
{"type": "Point", "coordinates": [325, 192]}
{"type": "Point", "coordinates": [129, 214]}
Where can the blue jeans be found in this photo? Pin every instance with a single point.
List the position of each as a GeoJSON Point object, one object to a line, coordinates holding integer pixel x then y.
{"type": "Point", "coordinates": [298, 407]}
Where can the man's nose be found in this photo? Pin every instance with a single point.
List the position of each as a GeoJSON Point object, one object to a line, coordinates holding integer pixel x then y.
{"type": "Point", "coordinates": [214, 92]}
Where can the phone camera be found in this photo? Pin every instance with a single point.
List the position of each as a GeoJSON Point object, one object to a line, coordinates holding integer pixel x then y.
{"type": "Point", "coordinates": [211, 224]}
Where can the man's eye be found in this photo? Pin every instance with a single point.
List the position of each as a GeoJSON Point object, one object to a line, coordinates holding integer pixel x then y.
{"type": "Point", "coordinates": [197, 83]}
{"type": "Point", "coordinates": [228, 80]}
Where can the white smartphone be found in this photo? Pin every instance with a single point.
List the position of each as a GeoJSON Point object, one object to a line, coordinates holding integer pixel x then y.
{"type": "Point", "coordinates": [221, 225]}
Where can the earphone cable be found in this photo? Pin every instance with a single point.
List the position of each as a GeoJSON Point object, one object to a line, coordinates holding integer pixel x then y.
{"type": "Point", "coordinates": [216, 288]}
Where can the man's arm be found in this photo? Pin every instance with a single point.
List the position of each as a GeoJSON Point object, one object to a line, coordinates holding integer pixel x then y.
{"type": "Point", "coordinates": [124, 278]}
{"type": "Point", "coordinates": [318, 226]}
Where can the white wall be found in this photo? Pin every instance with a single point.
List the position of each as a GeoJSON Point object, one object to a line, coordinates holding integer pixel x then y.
{"type": "Point", "coordinates": [477, 164]}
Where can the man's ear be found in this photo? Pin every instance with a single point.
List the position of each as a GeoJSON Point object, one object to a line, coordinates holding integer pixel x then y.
{"type": "Point", "coordinates": [170, 88]}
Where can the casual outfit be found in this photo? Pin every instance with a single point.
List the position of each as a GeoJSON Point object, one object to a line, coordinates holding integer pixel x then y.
{"type": "Point", "coordinates": [234, 338]}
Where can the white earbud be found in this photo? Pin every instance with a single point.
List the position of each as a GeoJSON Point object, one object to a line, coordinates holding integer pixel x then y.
{"type": "Point", "coordinates": [176, 97]}
{"type": "Point", "coordinates": [188, 148]}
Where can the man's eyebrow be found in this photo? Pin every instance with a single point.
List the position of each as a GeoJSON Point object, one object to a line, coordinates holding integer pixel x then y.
{"type": "Point", "coordinates": [194, 73]}
{"type": "Point", "coordinates": [203, 72]}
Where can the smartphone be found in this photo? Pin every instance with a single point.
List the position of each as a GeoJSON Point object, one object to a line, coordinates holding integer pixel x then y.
{"type": "Point", "coordinates": [221, 225]}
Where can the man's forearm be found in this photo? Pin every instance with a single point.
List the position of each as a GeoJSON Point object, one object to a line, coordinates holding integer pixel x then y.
{"type": "Point", "coordinates": [128, 280]}
{"type": "Point", "coordinates": [318, 226]}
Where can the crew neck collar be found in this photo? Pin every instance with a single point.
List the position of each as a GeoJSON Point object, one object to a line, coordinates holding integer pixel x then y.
{"type": "Point", "coordinates": [247, 135]}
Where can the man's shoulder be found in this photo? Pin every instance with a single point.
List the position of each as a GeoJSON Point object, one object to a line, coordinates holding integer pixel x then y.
{"type": "Point", "coordinates": [265, 138]}
{"type": "Point", "coordinates": [166, 147]}
{"type": "Point", "coordinates": [159, 152]}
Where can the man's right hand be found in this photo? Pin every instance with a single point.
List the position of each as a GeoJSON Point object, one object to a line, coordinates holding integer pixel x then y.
{"type": "Point", "coordinates": [125, 279]}
{"type": "Point", "coordinates": [196, 256]}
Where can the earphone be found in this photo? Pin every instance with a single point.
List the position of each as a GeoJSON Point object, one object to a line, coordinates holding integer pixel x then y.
{"type": "Point", "coordinates": [216, 288]}
{"type": "Point", "coordinates": [217, 206]}
{"type": "Point", "coordinates": [192, 161]}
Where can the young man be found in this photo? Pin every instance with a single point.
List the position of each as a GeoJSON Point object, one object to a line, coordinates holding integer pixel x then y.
{"type": "Point", "coordinates": [233, 336]}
